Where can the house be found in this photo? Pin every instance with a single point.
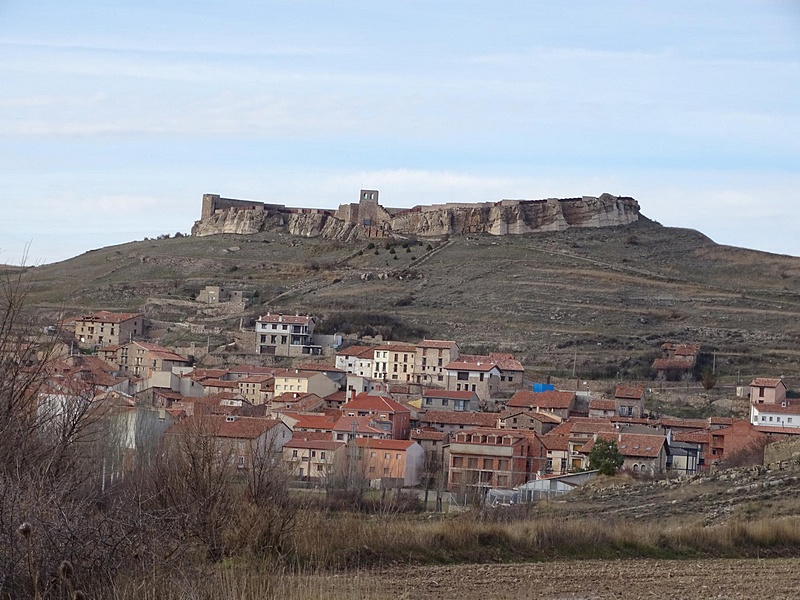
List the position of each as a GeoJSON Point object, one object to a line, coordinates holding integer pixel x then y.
{"type": "Point", "coordinates": [764, 390]}
{"type": "Point", "coordinates": [642, 453]}
{"type": "Point", "coordinates": [522, 418]}
{"type": "Point", "coordinates": [493, 458]}
{"type": "Point", "coordinates": [512, 372]}
{"type": "Point", "coordinates": [257, 389]}
{"type": "Point", "coordinates": [600, 408]}
{"type": "Point", "coordinates": [356, 360]}
{"type": "Point", "coordinates": [242, 441]}
{"type": "Point", "coordinates": [463, 400]}
{"type": "Point", "coordinates": [553, 402]}
{"type": "Point", "coordinates": [430, 358]}
{"type": "Point", "coordinates": [338, 376]}
{"type": "Point", "coordinates": [557, 448]}
{"type": "Point", "coordinates": [785, 414]}
{"type": "Point", "coordinates": [677, 361]}
{"type": "Point", "coordinates": [435, 443]}
{"type": "Point", "coordinates": [452, 422]}
{"type": "Point", "coordinates": [296, 402]}
{"type": "Point", "coordinates": [315, 460]}
{"type": "Point", "coordinates": [214, 294]}
{"type": "Point", "coordinates": [388, 414]}
{"type": "Point", "coordinates": [304, 382]}
{"type": "Point", "coordinates": [143, 359]}
{"type": "Point", "coordinates": [483, 378]}
{"type": "Point", "coordinates": [394, 362]}
{"type": "Point", "coordinates": [397, 463]}
{"type": "Point", "coordinates": [104, 328]}
{"type": "Point", "coordinates": [350, 427]}
{"type": "Point", "coordinates": [576, 431]}
{"type": "Point", "coordinates": [286, 335]}
{"type": "Point", "coordinates": [629, 401]}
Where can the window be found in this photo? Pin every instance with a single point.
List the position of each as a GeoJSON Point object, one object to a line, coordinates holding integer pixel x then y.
{"type": "Point", "coordinates": [788, 419]}
{"type": "Point", "coordinates": [472, 463]}
{"type": "Point", "coordinates": [294, 453]}
{"type": "Point", "coordinates": [372, 469]}
{"type": "Point", "coordinates": [445, 402]}
{"type": "Point", "coordinates": [398, 456]}
{"type": "Point", "coordinates": [387, 455]}
{"type": "Point", "coordinates": [455, 477]}
{"type": "Point", "coordinates": [481, 377]}
{"type": "Point", "coordinates": [488, 463]}
{"type": "Point", "coordinates": [440, 362]}
{"type": "Point", "coordinates": [463, 376]}
{"type": "Point", "coordinates": [313, 454]}
{"type": "Point", "coordinates": [473, 387]}
{"type": "Point", "coordinates": [322, 455]}
{"type": "Point", "coordinates": [428, 401]}
{"type": "Point", "coordinates": [761, 392]}
{"type": "Point", "coordinates": [372, 455]}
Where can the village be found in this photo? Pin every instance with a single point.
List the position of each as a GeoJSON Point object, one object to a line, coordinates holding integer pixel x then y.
{"type": "Point", "coordinates": [421, 417]}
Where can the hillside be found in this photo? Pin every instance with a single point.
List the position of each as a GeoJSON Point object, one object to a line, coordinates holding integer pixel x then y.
{"type": "Point", "coordinates": [603, 298]}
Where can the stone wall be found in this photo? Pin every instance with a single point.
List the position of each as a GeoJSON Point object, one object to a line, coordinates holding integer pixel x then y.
{"type": "Point", "coordinates": [349, 222]}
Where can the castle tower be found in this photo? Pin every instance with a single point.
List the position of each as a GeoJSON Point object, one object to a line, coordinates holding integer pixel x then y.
{"type": "Point", "coordinates": [368, 208]}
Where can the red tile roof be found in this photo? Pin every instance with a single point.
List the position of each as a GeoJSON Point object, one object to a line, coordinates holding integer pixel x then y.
{"type": "Point", "coordinates": [161, 352]}
{"type": "Point", "coordinates": [365, 401]}
{"type": "Point", "coordinates": [765, 382]}
{"type": "Point", "coordinates": [354, 351]}
{"type": "Point", "coordinates": [322, 368]}
{"type": "Point", "coordinates": [461, 365]}
{"type": "Point", "coordinates": [448, 417]}
{"type": "Point", "coordinates": [429, 434]}
{"type": "Point", "coordinates": [777, 409]}
{"type": "Point", "coordinates": [104, 316]}
{"type": "Point", "coordinates": [442, 344]}
{"type": "Point", "coordinates": [555, 442]}
{"type": "Point", "coordinates": [632, 392]}
{"type": "Point", "coordinates": [547, 400]}
{"type": "Point", "coordinates": [395, 445]}
{"type": "Point", "coordinates": [639, 445]}
{"type": "Point", "coordinates": [601, 404]}
{"type": "Point", "coordinates": [220, 426]}
{"type": "Point", "coordinates": [313, 444]}
{"type": "Point", "coordinates": [364, 425]}
{"type": "Point", "coordinates": [665, 364]}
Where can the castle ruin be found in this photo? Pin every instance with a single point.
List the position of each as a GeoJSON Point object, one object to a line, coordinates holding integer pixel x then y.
{"type": "Point", "coordinates": [367, 218]}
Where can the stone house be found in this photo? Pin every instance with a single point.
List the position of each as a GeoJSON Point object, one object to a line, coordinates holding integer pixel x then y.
{"type": "Point", "coordinates": [600, 408]}
{"type": "Point", "coordinates": [388, 414]}
{"type": "Point", "coordinates": [764, 390]}
{"type": "Point", "coordinates": [629, 401]}
{"type": "Point", "coordinates": [494, 458]}
{"type": "Point", "coordinates": [396, 463]}
{"type": "Point", "coordinates": [459, 401]}
{"type": "Point", "coordinates": [554, 402]}
{"type": "Point", "coordinates": [452, 422]}
{"type": "Point", "coordinates": [483, 378]}
{"type": "Point", "coordinates": [241, 440]}
{"type": "Point", "coordinates": [304, 382]}
{"type": "Point", "coordinates": [677, 361]}
{"type": "Point", "coordinates": [522, 418]}
{"type": "Point", "coordinates": [430, 359]}
{"type": "Point", "coordinates": [394, 362]}
{"type": "Point", "coordinates": [104, 328]}
{"type": "Point", "coordinates": [642, 453]}
{"type": "Point", "coordinates": [142, 359]}
{"type": "Point", "coordinates": [286, 335]}
{"type": "Point", "coordinates": [315, 460]}
{"type": "Point", "coordinates": [356, 360]}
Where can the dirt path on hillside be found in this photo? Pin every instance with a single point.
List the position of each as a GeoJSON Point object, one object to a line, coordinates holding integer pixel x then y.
{"type": "Point", "coordinates": [583, 580]}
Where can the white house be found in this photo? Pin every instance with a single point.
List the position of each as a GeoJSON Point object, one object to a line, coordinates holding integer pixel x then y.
{"type": "Point", "coordinates": [784, 414]}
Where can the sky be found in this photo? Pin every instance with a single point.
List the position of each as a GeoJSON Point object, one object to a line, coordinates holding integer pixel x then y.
{"type": "Point", "coordinates": [116, 117]}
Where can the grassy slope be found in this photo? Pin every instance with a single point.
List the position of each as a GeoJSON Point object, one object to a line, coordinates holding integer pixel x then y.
{"type": "Point", "coordinates": [611, 295]}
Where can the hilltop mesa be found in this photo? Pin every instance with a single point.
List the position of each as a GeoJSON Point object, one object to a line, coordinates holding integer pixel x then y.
{"type": "Point", "coordinates": [368, 219]}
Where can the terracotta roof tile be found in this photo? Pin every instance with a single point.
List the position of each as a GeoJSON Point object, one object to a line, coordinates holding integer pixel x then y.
{"type": "Point", "coordinates": [766, 382]}
{"type": "Point", "coordinates": [448, 417]}
{"type": "Point", "coordinates": [629, 392]}
{"type": "Point", "coordinates": [547, 400]}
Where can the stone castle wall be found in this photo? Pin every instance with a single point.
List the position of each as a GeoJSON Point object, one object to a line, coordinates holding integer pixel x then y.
{"type": "Point", "coordinates": [370, 219]}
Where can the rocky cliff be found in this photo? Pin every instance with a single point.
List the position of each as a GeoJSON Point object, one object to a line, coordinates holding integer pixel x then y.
{"type": "Point", "coordinates": [501, 218]}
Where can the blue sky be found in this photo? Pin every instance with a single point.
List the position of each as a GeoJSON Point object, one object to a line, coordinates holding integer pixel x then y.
{"type": "Point", "coordinates": [116, 117]}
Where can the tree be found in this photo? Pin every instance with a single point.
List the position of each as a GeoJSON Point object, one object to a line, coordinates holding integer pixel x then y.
{"type": "Point", "coordinates": [605, 457]}
{"type": "Point", "coordinates": [709, 380]}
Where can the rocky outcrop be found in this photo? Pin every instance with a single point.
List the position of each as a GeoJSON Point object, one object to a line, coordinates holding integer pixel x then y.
{"type": "Point", "coordinates": [501, 218]}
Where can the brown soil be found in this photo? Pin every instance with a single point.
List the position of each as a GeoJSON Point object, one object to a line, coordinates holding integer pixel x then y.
{"type": "Point", "coordinates": [584, 580]}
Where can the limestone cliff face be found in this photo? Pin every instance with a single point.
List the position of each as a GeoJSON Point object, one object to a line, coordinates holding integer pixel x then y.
{"type": "Point", "coordinates": [501, 218]}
